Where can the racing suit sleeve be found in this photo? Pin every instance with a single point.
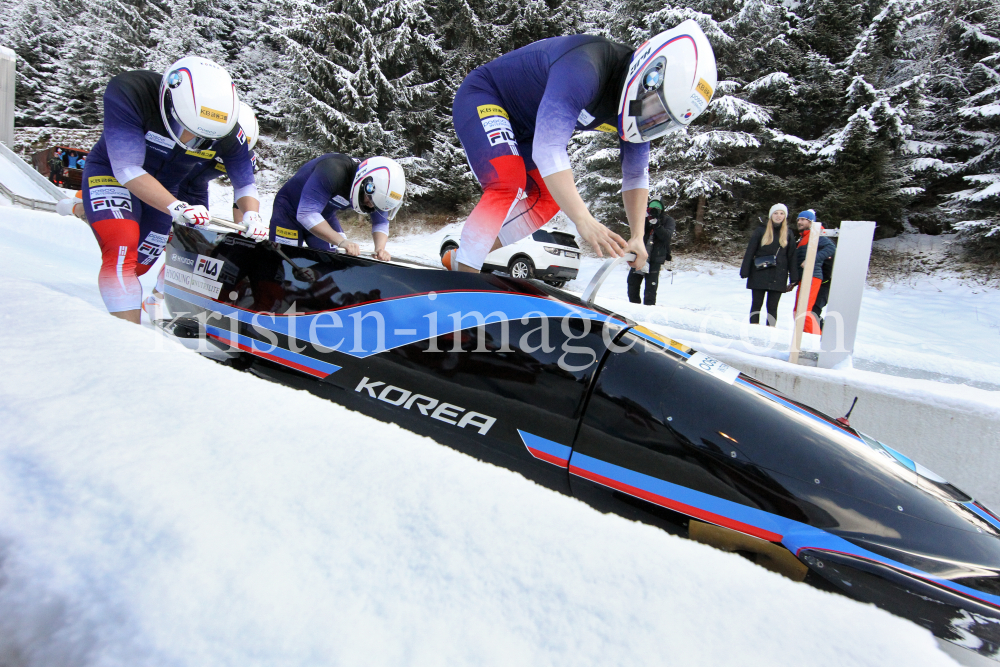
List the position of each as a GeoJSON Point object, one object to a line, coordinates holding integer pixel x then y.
{"type": "Point", "coordinates": [380, 223]}
{"type": "Point", "coordinates": [573, 82]}
{"type": "Point", "coordinates": [328, 177]}
{"type": "Point", "coordinates": [635, 165]}
{"type": "Point", "coordinates": [239, 168]}
{"type": "Point", "coordinates": [124, 134]}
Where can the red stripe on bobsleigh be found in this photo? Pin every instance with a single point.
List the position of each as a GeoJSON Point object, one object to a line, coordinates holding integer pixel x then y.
{"type": "Point", "coordinates": [689, 510]}
{"type": "Point", "coordinates": [271, 357]}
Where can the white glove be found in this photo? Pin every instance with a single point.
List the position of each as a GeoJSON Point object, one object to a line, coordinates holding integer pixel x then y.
{"type": "Point", "coordinates": [256, 229]}
{"type": "Point", "coordinates": [192, 216]}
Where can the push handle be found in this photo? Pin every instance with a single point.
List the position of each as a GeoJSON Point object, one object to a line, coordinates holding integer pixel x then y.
{"type": "Point", "coordinates": [602, 274]}
{"type": "Point", "coordinates": [228, 224]}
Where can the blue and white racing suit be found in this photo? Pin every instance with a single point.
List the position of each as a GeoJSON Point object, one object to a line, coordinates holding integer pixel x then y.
{"type": "Point", "coordinates": [135, 142]}
{"type": "Point", "coordinates": [515, 116]}
{"type": "Point", "coordinates": [319, 189]}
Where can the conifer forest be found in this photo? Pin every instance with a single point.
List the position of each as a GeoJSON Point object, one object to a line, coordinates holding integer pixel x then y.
{"type": "Point", "coordinates": [885, 110]}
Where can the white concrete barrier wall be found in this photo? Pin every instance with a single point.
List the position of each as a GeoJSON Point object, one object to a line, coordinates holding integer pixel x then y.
{"type": "Point", "coordinates": [953, 430]}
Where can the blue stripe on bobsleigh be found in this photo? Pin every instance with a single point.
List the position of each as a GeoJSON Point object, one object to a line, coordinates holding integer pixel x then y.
{"type": "Point", "coordinates": [405, 319]}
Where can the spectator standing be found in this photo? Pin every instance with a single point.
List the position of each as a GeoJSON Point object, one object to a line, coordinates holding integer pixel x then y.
{"type": "Point", "coordinates": [770, 265]}
{"type": "Point", "coordinates": [56, 166]}
{"type": "Point", "coordinates": [81, 162]}
{"type": "Point", "coordinates": [656, 238]}
{"type": "Point", "coordinates": [825, 250]}
{"type": "Point", "coordinates": [71, 160]}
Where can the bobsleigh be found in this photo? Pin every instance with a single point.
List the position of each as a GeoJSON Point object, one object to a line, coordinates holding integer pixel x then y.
{"type": "Point", "coordinates": [587, 403]}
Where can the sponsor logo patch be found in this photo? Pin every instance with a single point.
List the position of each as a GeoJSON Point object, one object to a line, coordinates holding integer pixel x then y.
{"type": "Point", "coordinates": [95, 181]}
{"type": "Point", "coordinates": [499, 131]}
{"type": "Point", "coordinates": [721, 370]}
{"type": "Point", "coordinates": [152, 246]}
{"type": "Point", "coordinates": [604, 127]}
{"type": "Point", "coordinates": [495, 123]}
{"type": "Point", "coordinates": [214, 114]}
{"type": "Point", "coordinates": [109, 191]}
{"type": "Point", "coordinates": [585, 118]}
{"type": "Point", "coordinates": [242, 138]}
{"type": "Point", "coordinates": [282, 241]}
{"type": "Point", "coordinates": [337, 199]}
{"type": "Point", "coordinates": [181, 259]}
{"type": "Point", "coordinates": [208, 267]}
{"type": "Point", "coordinates": [204, 155]}
{"type": "Point", "coordinates": [159, 139]}
{"type": "Point", "coordinates": [286, 233]}
{"type": "Point", "coordinates": [395, 195]}
{"type": "Point", "coordinates": [198, 284]}
{"type": "Point", "coordinates": [704, 89]}
{"type": "Point", "coordinates": [221, 167]}
{"type": "Point", "coordinates": [491, 110]}
{"type": "Point", "coordinates": [108, 203]}
{"type": "Point", "coordinates": [427, 406]}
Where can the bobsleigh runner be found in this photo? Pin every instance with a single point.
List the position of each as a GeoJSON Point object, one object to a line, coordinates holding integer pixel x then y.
{"type": "Point", "coordinates": [587, 403]}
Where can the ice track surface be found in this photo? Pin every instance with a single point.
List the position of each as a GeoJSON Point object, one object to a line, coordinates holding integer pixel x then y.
{"type": "Point", "coordinates": [159, 509]}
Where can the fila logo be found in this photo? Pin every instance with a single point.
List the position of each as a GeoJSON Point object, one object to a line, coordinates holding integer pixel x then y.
{"type": "Point", "coordinates": [429, 407]}
{"type": "Point", "coordinates": [208, 267]}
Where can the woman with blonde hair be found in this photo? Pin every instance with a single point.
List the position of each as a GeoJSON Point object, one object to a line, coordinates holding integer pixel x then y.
{"type": "Point", "coordinates": [769, 264]}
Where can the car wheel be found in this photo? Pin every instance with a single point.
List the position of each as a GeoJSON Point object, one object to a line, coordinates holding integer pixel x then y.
{"type": "Point", "coordinates": [446, 247]}
{"type": "Point", "coordinates": [521, 267]}
{"type": "Point", "coordinates": [556, 283]}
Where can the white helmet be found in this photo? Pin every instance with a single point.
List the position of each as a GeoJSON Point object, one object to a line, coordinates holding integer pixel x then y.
{"type": "Point", "coordinates": [381, 179]}
{"type": "Point", "coordinates": [198, 96]}
{"type": "Point", "coordinates": [670, 81]}
{"type": "Point", "coordinates": [249, 125]}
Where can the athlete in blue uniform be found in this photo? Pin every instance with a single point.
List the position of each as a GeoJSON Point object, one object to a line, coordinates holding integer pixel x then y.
{"type": "Point", "coordinates": [157, 130]}
{"type": "Point", "coordinates": [516, 114]}
{"type": "Point", "coordinates": [305, 208]}
{"type": "Point", "coordinates": [194, 188]}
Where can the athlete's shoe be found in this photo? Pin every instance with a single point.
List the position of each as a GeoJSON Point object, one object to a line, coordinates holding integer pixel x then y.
{"type": "Point", "coordinates": [448, 260]}
{"type": "Point", "coordinates": [153, 308]}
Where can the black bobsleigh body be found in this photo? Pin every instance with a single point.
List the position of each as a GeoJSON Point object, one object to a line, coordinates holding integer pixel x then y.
{"type": "Point", "coordinates": [585, 402]}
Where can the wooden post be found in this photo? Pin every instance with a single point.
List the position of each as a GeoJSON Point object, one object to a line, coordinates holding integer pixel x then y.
{"type": "Point", "coordinates": [802, 303]}
{"type": "Point", "coordinates": [699, 218]}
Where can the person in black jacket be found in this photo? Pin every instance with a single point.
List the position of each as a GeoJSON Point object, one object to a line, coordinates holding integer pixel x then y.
{"type": "Point", "coordinates": [660, 229]}
{"type": "Point", "coordinates": [769, 264]}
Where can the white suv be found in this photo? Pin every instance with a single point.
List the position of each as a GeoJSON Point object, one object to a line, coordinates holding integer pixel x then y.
{"type": "Point", "coordinates": [548, 255]}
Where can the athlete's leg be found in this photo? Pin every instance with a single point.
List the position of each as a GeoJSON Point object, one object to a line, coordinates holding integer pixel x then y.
{"type": "Point", "coordinates": [113, 214]}
{"type": "Point", "coordinates": [534, 210]}
{"type": "Point", "coordinates": [483, 128]}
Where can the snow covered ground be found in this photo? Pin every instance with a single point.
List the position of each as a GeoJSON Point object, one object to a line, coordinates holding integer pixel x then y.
{"type": "Point", "coordinates": [19, 182]}
{"type": "Point", "coordinates": [159, 509]}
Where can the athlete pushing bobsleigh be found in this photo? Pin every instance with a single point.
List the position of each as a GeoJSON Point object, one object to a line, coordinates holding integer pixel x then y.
{"type": "Point", "coordinates": [516, 114]}
{"type": "Point", "coordinates": [158, 129]}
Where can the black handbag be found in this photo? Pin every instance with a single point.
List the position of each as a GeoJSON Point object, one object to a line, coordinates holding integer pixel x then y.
{"type": "Point", "coordinates": [765, 261]}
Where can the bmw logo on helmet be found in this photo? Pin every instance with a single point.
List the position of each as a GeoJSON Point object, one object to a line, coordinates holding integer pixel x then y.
{"type": "Point", "coordinates": [174, 79]}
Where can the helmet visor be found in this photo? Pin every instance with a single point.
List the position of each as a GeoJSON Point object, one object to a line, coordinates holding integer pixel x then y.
{"type": "Point", "coordinates": [365, 192]}
{"type": "Point", "coordinates": [654, 118]}
{"type": "Point", "coordinates": [176, 128]}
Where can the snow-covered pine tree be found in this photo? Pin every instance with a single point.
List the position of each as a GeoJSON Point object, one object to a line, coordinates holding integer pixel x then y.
{"type": "Point", "coordinates": [32, 31]}
{"type": "Point", "coordinates": [976, 31]}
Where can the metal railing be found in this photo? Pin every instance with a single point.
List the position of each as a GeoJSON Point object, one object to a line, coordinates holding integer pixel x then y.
{"type": "Point", "coordinates": [34, 204]}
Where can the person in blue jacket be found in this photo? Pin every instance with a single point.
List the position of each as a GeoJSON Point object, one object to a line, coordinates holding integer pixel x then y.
{"type": "Point", "coordinates": [157, 130]}
{"type": "Point", "coordinates": [305, 208]}
{"type": "Point", "coordinates": [516, 114]}
{"type": "Point", "coordinates": [825, 249]}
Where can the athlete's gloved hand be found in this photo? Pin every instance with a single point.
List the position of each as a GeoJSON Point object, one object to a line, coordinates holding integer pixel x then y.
{"type": "Point", "coordinates": [256, 229]}
{"type": "Point", "coordinates": [192, 216]}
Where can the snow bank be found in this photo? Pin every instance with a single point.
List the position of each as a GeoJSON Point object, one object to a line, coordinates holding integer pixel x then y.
{"type": "Point", "coordinates": [159, 509]}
